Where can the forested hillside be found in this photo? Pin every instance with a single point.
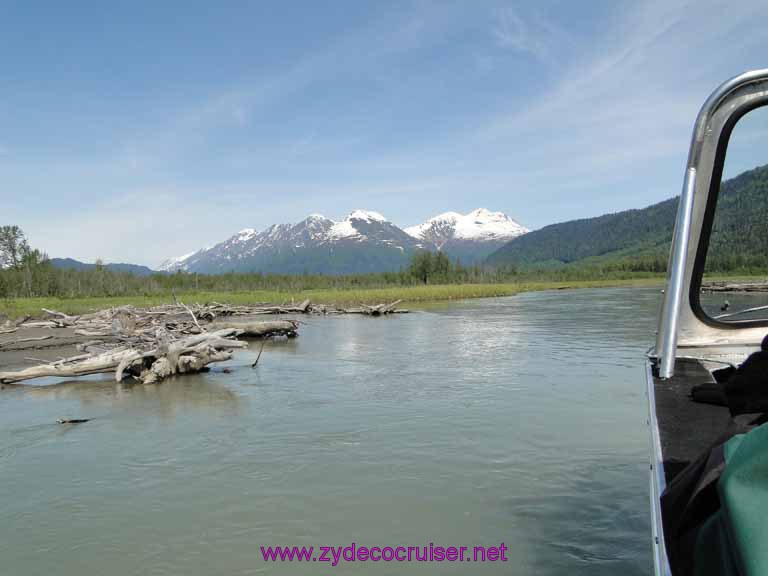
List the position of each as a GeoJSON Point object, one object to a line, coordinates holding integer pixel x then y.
{"type": "Point", "coordinates": [71, 264]}
{"type": "Point", "coordinates": [740, 231]}
{"type": "Point", "coordinates": [640, 239]}
{"type": "Point", "coordinates": [624, 234]}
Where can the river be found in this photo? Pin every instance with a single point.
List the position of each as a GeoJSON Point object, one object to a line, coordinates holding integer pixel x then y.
{"type": "Point", "coordinates": [519, 420]}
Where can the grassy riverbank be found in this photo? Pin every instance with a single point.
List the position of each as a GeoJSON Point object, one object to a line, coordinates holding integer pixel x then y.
{"type": "Point", "coordinates": [408, 294]}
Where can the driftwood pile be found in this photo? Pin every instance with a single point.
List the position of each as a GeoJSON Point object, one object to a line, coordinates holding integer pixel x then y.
{"type": "Point", "coordinates": [148, 345]}
{"type": "Point", "coordinates": [149, 363]}
{"type": "Point", "coordinates": [152, 344]}
{"type": "Point", "coordinates": [217, 310]}
{"type": "Point", "coordinates": [735, 287]}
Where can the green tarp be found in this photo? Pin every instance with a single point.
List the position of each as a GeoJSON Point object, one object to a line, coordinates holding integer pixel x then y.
{"type": "Point", "coordinates": [735, 540]}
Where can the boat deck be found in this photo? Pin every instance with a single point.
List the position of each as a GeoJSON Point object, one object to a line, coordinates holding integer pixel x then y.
{"type": "Point", "coordinates": [686, 428]}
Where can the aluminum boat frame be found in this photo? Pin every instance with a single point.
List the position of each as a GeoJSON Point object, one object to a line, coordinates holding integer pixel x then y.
{"type": "Point", "coordinates": [690, 344]}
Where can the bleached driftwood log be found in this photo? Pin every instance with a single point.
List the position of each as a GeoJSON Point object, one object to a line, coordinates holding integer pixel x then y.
{"type": "Point", "coordinates": [77, 366]}
{"type": "Point", "coordinates": [61, 319]}
{"type": "Point", "coordinates": [378, 310]}
{"type": "Point", "coordinates": [164, 359]}
{"type": "Point", "coordinates": [23, 340]}
{"type": "Point", "coordinates": [259, 329]}
{"type": "Point", "coordinates": [719, 286]}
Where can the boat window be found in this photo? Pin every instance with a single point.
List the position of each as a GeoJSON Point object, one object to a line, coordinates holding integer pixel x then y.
{"type": "Point", "coordinates": [734, 285]}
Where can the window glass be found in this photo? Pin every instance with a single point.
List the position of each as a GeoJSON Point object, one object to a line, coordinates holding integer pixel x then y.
{"type": "Point", "coordinates": [735, 280]}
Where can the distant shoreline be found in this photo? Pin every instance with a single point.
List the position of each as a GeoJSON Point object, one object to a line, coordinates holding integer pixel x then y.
{"type": "Point", "coordinates": [21, 307]}
{"type": "Point", "coordinates": [418, 295]}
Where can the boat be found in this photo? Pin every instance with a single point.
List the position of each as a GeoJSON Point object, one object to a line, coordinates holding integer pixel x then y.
{"type": "Point", "coordinates": [707, 378]}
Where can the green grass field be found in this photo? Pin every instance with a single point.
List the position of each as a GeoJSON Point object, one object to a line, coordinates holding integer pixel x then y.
{"type": "Point", "coordinates": [408, 294]}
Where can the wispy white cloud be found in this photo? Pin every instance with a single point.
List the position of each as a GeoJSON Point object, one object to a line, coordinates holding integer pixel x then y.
{"type": "Point", "coordinates": [626, 99]}
{"type": "Point", "coordinates": [531, 34]}
{"type": "Point", "coordinates": [193, 124]}
{"type": "Point", "coordinates": [511, 31]}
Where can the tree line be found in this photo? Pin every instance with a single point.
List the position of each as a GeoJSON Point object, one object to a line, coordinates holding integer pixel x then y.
{"type": "Point", "coordinates": [26, 272]}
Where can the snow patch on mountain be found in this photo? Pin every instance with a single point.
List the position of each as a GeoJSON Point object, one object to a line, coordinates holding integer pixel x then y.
{"type": "Point", "coordinates": [244, 235]}
{"type": "Point", "coordinates": [479, 225]}
{"type": "Point", "coordinates": [484, 224]}
{"type": "Point", "coordinates": [343, 229]}
{"type": "Point", "coordinates": [347, 229]}
{"type": "Point", "coordinates": [367, 215]}
{"type": "Point", "coordinates": [176, 263]}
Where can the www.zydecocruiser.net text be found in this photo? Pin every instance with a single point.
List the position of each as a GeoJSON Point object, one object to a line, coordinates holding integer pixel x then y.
{"type": "Point", "coordinates": [354, 553]}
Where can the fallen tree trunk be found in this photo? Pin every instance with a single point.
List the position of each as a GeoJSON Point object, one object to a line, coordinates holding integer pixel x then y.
{"type": "Point", "coordinates": [735, 287]}
{"type": "Point", "coordinates": [383, 308]}
{"type": "Point", "coordinates": [166, 358]}
{"type": "Point", "coordinates": [23, 340]}
{"type": "Point", "coordinates": [54, 342]}
{"type": "Point", "coordinates": [260, 329]}
{"type": "Point", "coordinates": [39, 324]}
{"type": "Point", "coordinates": [378, 310]}
{"type": "Point", "coordinates": [61, 319]}
{"type": "Point", "coordinates": [94, 365]}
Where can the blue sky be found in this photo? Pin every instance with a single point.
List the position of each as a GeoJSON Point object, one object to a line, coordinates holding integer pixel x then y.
{"type": "Point", "coordinates": [135, 131]}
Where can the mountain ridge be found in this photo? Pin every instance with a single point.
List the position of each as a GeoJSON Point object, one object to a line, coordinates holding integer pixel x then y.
{"type": "Point", "coordinates": [364, 241]}
{"type": "Point", "coordinates": [72, 264]}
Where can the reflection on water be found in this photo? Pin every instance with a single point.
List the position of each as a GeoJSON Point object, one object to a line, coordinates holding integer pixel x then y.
{"type": "Point", "coordinates": [517, 419]}
{"type": "Point", "coordinates": [735, 306]}
{"type": "Point", "coordinates": [180, 394]}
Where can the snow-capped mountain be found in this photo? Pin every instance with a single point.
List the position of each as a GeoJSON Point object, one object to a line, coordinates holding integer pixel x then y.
{"type": "Point", "coordinates": [468, 237]}
{"type": "Point", "coordinates": [364, 241]}
{"type": "Point", "coordinates": [175, 263]}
